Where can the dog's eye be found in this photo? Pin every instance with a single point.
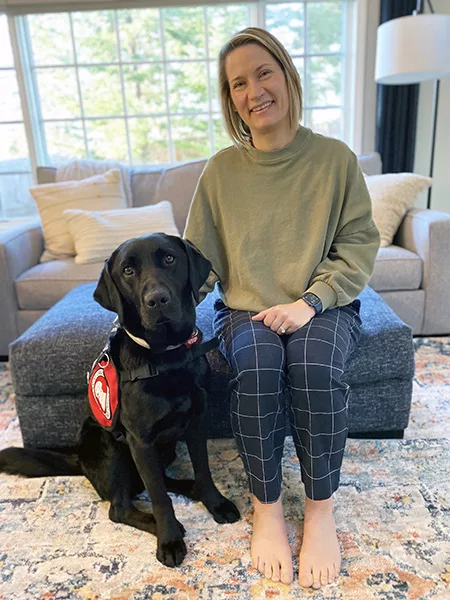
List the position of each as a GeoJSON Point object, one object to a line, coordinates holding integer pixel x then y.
{"type": "Point", "coordinates": [128, 271]}
{"type": "Point", "coordinates": [169, 259]}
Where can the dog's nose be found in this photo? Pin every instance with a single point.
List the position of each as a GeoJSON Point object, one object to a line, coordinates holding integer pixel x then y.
{"type": "Point", "coordinates": [157, 298]}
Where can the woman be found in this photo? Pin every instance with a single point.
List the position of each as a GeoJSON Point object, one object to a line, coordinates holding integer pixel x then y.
{"type": "Point", "coordinates": [284, 216]}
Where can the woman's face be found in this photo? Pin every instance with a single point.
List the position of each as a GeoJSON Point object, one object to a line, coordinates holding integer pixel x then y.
{"type": "Point", "coordinates": [258, 90]}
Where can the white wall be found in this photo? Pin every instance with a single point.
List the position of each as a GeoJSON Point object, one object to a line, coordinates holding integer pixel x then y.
{"type": "Point", "coordinates": [370, 87]}
{"type": "Point", "coordinates": [440, 197]}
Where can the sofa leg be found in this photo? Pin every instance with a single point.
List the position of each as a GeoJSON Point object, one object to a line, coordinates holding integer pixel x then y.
{"type": "Point", "coordinates": [378, 435]}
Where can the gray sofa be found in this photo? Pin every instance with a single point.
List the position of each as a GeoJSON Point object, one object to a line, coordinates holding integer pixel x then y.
{"type": "Point", "coordinates": [412, 275]}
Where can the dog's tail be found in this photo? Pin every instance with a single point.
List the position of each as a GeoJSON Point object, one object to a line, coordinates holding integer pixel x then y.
{"type": "Point", "coordinates": [38, 463]}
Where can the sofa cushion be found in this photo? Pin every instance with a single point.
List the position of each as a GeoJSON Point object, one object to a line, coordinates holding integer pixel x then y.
{"type": "Point", "coordinates": [396, 269]}
{"type": "Point", "coordinates": [96, 234]}
{"type": "Point", "coordinates": [100, 192]}
{"type": "Point", "coordinates": [43, 285]}
{"type": "Point", "coordinates": [177, 184]}
{"type": "Point", "coordinates": [74, 330]}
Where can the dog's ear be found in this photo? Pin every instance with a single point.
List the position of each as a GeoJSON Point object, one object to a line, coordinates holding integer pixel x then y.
{"type": "Point", "coordinates": [199, 268]}
{"type": "Point", "coordinates": [107, 294]}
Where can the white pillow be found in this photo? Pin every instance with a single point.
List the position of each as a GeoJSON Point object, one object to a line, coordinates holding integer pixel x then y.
{"type": "Point", "coordinates": [96, 234]}
{"type": "Point", "coordinates": [100, 192]}
{"type": "Point", "coordinates": [392, 195]}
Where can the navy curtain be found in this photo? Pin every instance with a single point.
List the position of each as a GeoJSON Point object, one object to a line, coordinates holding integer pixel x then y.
{"type": "Point", "coordinates": [396, 107]}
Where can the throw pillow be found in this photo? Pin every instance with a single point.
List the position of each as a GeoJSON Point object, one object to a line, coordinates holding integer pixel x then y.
{"type": "Point", "coordinates": [96, 234]}
{"type": "Point", "coordinates": [100, 192]}
{"type": "Point", "coordinates": [393, 194]}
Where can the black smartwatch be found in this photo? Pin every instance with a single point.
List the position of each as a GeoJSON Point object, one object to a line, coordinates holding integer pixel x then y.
{"type": "Point", "coordinates": [313, 301]}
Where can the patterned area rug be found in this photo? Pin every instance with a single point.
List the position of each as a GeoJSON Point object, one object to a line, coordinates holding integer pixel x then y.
{"type": "Point", "coordinates": [392, 514]}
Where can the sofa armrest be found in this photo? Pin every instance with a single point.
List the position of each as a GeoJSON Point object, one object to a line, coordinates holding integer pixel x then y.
{"type": "Point", "coordinates": [20, 249]}
{"type": "Point", "coordinates": [427, 233]}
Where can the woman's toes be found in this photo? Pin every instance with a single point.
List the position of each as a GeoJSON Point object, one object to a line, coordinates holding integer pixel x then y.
{"type": "Point", "coordinates": [316, 579]}
{"type": "Point", "coordinates": [276, 572]}
{"type": "Point", "coordinates": [261, 566]}
{"type": "Point", "coordinates": [331, 575]}
{"type": "Point", "coordinates": [305, 578]}
{"type": "Point", "coordinates": [268, 570]}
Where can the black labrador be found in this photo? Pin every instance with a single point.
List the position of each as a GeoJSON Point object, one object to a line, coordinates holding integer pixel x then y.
{"type": "Point", "coordinates": [151, 282]}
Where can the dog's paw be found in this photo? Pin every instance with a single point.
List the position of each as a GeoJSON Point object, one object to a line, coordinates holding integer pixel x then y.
{"type": "Point", "coordinates": [172, 553]}
{"type": "Point", "coordinates": [225, 512]}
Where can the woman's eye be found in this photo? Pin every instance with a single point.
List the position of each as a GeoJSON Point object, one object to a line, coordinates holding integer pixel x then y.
{"type": "Point", "coordinates": [237, 84]}
{"type": "Point", "coordinates": [128, 271]}
{"type": "Point", "coordinates": [169, 259]}
{"type": "Point", "coordinates": [263, 73]}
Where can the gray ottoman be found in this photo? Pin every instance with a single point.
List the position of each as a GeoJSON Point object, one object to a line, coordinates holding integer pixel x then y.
{"type": "Point", "coordinates": [50, 360]}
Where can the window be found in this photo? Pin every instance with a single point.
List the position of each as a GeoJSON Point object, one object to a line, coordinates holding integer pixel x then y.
{"type": "Point", "coordinates": [140, 85]}
{"type": "Point", "coordinates": [15, 169]}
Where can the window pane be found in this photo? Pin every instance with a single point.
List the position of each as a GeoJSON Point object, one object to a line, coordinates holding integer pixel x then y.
{"type": "Point", "coordinates": [101, 91]}
{"type": "Point", "coordinates": [184, 32]}
{"type": "Point", "coordinates": [325, 26]}
{"type": "Point", "coordinates": [299, 64]}
{"type": "Point", "coordinates": [144, 89]}
{"type": "Point", "coordinates": [214, 79]}
{"type": "Point", "coordinates": [190, 137]}
{"type": "Point", "coordinates": [10, 108]}
{"type": "Point", "coordinates": [327, 121]}
{"type": "Point", "coordinates": [13, 148]}
{"type": "Point", "coordinates": [15, 199]}
{"type": "Point", "coordinates": [324, 81]}
{"type": "Point", "coordinates": [51, 39]}
{"type": "Point", "coordinates": [221, 137]}
{"type": "Point", "coordinates": [223, 22]}
{"type": "Point", "coordinates": [287, 23]}
{"type": "Point", "coordinates": [65, 141]}
{"type": "Point", "coordinates": [188, 89]}
{"type": "Point", "coordinates": [140, 37]}
{"type": "Point", "coordinates": [107, 139]}
{"type": "Point", "coordinates": [58, 93]}
{"type": "Point", "coordinates": [149, 141]}
{"type": "Point", "coordinates": [6, 56]}
{"type": "Point", "coordinates": [95, 36]}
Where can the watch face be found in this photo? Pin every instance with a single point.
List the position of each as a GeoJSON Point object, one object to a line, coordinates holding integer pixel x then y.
{"type": "Point", "coordinates": [311, 299]}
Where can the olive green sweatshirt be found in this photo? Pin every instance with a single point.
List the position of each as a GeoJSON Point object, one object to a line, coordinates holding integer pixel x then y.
{"type": "Point", "coordinates": [279, 223]}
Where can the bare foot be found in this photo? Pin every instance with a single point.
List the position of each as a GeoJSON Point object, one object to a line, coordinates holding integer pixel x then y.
{"type": "Point", "coordinates": [270, 550]}
{"type": "Point", "coordinates": [320, 556]}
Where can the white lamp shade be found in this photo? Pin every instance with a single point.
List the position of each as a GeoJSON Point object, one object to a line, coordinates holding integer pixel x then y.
{"type": "Point", "coordinates": [413, 49]}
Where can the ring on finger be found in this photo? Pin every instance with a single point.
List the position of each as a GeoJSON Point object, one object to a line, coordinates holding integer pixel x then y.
{"type": "Point", "coordinates": [282, 330]}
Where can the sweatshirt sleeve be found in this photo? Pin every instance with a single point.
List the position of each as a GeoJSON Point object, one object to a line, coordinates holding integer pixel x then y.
{"type": "Point", "coordinates": [347, 268]}
{"type": "Point", "coordinates": [201, 230]}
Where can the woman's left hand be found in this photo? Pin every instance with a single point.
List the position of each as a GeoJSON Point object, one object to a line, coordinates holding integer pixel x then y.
{"type": "Point", "coordinates": [286, 318]}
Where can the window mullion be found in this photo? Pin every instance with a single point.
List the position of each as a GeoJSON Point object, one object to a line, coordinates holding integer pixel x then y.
{"type": "Point", "coordinates": [77, 75]}
{"type": "Point", "coordinates": [29, 96]}
{"type": "Point", "coordinates": [212, 142]}
{"type": "Point", "coordinates": [124, 100]}
{"type": "Point", "coordinates": [166, 87]}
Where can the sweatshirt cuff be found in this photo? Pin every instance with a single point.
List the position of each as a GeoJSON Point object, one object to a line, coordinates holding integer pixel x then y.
{"type": "Point", "coordinates": [325, 292]}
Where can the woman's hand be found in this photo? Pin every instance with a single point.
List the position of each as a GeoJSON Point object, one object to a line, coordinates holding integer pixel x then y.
{"type": "Point", "coordinates": [286, 318]}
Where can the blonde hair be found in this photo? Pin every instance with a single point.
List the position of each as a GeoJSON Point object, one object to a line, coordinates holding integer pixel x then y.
{"type": "Point", "coordinates": [235, 126]}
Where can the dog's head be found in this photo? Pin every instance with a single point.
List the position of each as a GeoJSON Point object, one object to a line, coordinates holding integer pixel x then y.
{"type": "Point", "coordinates": [151, 282]}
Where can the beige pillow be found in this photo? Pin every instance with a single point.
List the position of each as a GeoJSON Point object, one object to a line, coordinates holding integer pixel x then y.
{"type": "Point", "coordinates": [393, 194]}
{"type": "Point", "coordinates": [100, 192]}
{"type": "Point", "coordinates": [96, 234]}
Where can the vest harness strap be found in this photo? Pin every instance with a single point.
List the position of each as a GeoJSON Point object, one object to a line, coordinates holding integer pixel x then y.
{"type": "Point", "coordinates": [103, 380]}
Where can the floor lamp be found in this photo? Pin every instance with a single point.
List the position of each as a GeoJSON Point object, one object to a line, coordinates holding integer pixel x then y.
{"type": "Point", "coordinates": [414, 49]}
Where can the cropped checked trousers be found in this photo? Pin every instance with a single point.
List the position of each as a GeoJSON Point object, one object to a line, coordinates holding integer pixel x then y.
{"type": "Point", "coordinates": [301, 373]}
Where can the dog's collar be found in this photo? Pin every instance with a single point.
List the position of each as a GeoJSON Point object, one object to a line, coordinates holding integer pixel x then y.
{"type": "Point", "coordinates": [194, 339]}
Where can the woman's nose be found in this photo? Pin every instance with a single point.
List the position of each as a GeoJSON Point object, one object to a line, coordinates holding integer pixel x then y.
{"type": "Point", "coordinates": [256, 89]}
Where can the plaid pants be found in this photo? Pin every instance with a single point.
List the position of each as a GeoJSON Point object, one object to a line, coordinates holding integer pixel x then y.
{"type": "Point", "coordinates": [301, 372]}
